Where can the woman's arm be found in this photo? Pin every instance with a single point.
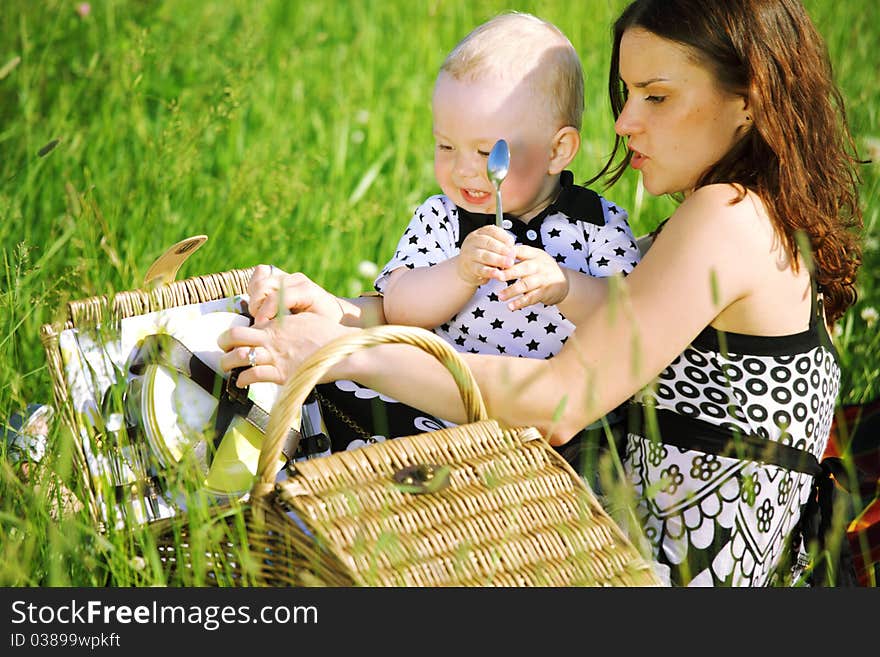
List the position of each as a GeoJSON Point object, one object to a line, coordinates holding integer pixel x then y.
{"type": "Point", "coordinates": [270, 289]}
{"type": "Point", "coordinates": [688, 277]}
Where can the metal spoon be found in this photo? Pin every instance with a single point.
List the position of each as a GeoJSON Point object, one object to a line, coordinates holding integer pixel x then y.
{"type": "Point", "coordinates": [497, 167]}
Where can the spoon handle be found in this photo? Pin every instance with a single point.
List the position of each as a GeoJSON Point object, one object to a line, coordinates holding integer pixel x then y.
{"type": "Point", "coordinates": [498, 213]}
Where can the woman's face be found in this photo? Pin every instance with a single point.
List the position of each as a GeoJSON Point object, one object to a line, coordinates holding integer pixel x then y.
{"type": "Point", "coordinates": [677, 120]}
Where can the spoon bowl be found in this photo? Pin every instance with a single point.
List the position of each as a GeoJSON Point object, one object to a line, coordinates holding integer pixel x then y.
{"type": "Point", "coordinates": [497, 167]}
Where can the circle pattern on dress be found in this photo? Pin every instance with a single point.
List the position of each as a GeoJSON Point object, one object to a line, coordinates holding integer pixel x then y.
{"type": "Point", "coordinates": [732, 516]}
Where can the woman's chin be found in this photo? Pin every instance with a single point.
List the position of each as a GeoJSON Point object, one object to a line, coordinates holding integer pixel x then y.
{"type": "Point", "coordinates": [655, 188]}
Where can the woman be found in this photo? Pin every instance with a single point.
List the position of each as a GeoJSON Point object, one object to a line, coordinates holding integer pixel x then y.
{"type": "Point", "coordinates": [719, 333]}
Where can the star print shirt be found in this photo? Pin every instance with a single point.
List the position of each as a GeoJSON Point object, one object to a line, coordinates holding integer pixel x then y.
{"type": "Point", "coordinates": [582, 230]}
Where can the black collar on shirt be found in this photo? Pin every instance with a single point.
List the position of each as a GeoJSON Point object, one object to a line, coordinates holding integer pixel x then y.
{"type": "Point", "coordinates": [573, 201]}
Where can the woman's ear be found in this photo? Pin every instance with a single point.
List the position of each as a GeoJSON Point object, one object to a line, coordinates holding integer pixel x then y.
{"type": "Point", "coordinates": [565, 145]}
{"type": "Point", "coordinates": [746, 114]}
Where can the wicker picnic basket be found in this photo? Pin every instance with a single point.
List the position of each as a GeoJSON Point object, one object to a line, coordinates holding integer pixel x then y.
{"type": "Point", "coordinates": [479, 504]}
{"type": "Point", "coordinates": [101, 316]}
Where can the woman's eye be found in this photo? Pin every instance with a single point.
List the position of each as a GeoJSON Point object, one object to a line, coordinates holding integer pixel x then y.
{"type": "Point", "coordinates": [655, 99]}
{"type": "Point", "coordinates": [483, 153]}
{"type": "Point", "coordinates": [444, 147]}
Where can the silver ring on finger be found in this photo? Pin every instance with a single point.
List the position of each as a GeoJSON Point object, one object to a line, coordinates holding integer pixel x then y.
{"type": "Point", "coordinates": [252, 356]}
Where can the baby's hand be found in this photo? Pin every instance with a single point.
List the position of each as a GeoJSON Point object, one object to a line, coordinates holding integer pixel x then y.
{"type": "Point", "coordinates": [484, 254]}
{"type": "Point", "coordinates": [541, 279]}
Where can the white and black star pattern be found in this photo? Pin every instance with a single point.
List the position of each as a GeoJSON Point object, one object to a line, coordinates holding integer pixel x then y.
{"type": "Point", "coordinates": [723, 520]}
{"type": "Point", "coordinates": [581, 231]}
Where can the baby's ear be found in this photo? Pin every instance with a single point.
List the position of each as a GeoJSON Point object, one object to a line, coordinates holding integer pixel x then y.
{"type": "Point", "coordinates": [565, 145]}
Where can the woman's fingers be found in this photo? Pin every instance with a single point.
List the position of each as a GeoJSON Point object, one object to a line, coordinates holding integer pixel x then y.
{"type": "Point", "coordinates": [244, 348]}
{"type": "Point", "coordinates": [236, 342]}
{"type": "Point", "coordinates": [273, 292]}
{"type": "Point", "coordinates": [263, 292]}
{"type": "Point", "coordinates": [259, 374]}
{"type": "Point", "coordinates": [279, 346]}
{"type": "Point", "coordinates": [300, 294]}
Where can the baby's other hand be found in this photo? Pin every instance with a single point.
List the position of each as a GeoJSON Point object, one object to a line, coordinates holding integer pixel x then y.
{"type": "Point", "coordinates": [484, 254]}
{"type": "Point", "coordinates": [539, 279]}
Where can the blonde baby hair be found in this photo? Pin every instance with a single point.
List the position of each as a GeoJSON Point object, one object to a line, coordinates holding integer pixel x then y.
{"type": "Point", "coordinates": [517, 44]}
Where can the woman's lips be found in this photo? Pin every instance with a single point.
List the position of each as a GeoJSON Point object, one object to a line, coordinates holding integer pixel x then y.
{"type": "Point", "coordinates": [637, 160]}
{"type": "Point", "coordinates": [475, 196]}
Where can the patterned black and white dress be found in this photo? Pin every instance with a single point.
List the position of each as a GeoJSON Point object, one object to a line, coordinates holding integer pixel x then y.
{"type": "Point", "coordinates": [717, 520]}
{"type": "Point", "coordinates": [582, 230]}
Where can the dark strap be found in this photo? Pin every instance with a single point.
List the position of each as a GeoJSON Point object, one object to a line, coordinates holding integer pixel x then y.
{"type": "Point", "coordinates": [164, 349]}
{"type": "Point", "coordinates": [168, 351]}
{"type": "Point", "coordinates": [691, 433]}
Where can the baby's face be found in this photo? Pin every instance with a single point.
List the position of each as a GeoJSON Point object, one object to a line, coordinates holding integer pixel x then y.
{"type": "Point", "coordinates": [469, 117]}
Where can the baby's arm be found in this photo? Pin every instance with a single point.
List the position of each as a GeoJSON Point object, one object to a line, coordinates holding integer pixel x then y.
{"type": "Point", "coordinates": [428, 280]}
{"type": "Point", "coordinates": [429, 296]}
{"type": "Point", "coordinates": [425, 296]}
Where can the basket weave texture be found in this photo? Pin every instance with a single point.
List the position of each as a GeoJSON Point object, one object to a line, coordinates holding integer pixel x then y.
{"type": "Point", "coordinates": [479, 504]}
{"type": "Point", "coordinates": [513, 512]}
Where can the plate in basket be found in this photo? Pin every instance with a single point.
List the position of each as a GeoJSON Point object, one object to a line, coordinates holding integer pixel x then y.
{"type": "Point", "coordinates": [178, 415]}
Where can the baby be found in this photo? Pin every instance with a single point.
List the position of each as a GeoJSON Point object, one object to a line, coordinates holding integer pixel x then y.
{"type": "Point", "coordinates": [518, 289]}
{"type": "Point", "coordinates": [516, 78]}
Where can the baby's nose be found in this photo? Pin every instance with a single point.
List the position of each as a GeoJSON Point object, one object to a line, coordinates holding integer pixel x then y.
{"type": "Point", "coordinates": [470, 165]}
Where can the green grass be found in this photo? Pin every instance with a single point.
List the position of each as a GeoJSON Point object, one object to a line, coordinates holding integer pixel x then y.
{"type": "Point", "coordinates": [288, 132]}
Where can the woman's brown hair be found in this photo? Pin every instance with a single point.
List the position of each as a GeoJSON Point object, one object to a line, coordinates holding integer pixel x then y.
{"type": "Point", "coordinates": [799, 156]}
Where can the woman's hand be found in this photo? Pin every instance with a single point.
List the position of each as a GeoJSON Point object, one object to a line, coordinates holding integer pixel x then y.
{"type": "Point", "coordinates": [270, 289]}
{"type": "Point", "coordinates": [538, 279]}
{"type": "Point", "coordinates": [274, 350]}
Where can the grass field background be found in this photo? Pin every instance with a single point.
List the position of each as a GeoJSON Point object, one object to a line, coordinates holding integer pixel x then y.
{"type": "Point", "coordinates": [294, 133]}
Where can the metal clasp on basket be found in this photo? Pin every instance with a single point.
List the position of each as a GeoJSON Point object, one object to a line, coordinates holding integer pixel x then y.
{"type": "Point", "coordinates": [422, 478]}
{"type": "Point", "coordinates": [236, 394]}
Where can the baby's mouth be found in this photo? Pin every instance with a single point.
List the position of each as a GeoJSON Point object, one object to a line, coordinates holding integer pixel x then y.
{"type": "Point", "coordinates": [475, 196]}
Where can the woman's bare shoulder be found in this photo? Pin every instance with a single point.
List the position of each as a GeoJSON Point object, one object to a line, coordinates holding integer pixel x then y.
{"type": "Point", "coordinates": [760, 292]}
{"type": "Point", "coordinates": [725, 207]}
{"type": "Point", "coordinates": [713, 235]}
{"type": "Point", "coordinates": [719, 220]}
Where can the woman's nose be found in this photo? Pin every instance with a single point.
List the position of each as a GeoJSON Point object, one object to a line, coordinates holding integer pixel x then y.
{"type": "Point", "coordinates": [627, 123]}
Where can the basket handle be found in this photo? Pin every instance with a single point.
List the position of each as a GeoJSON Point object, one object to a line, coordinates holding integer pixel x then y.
{"type": "Point", "coordinates": [286, 410]}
